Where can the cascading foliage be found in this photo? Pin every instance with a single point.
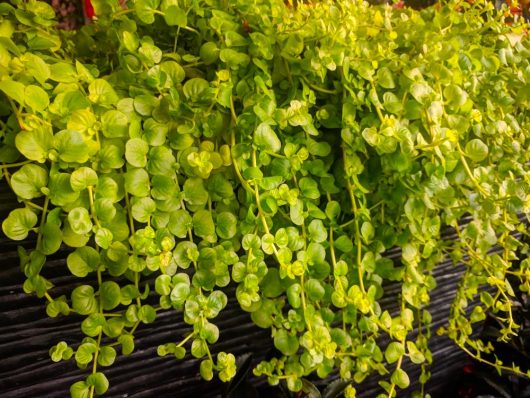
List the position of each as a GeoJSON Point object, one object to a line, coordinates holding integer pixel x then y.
{"type": "Point", "coordinates": [204, 142]}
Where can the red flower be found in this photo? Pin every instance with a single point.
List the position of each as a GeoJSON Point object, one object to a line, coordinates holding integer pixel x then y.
{"type": "Point", "coordinates": [89, 9]}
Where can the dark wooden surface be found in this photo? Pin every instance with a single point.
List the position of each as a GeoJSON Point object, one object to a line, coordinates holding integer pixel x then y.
{"type": "Point", "coordinates": [26, 335]}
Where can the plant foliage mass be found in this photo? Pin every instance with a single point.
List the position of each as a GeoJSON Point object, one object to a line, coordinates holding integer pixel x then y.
{"type": "Point", "coordinates": [179, 146]}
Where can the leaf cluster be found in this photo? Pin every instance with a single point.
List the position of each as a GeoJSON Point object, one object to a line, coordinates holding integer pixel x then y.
{"type": "Point", "coordinates": [285, 150]}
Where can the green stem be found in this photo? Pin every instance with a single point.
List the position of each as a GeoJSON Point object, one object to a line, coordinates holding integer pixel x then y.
{"type": "Point", "coordinates": [186, 339]}
{"type": "Point", "coordinates": [42, 221]}
{"type": "Point", "coordinates": [243, 182]}
{"type": "Point", "coordinates": [137, 284]}
{"type": "Point", "coordinates": [468, 171]}
{"type": "Point", "coordinates": [129, 213]}
{"type": "Point", "coordinates": [31, 204]}
{"type": "Point", "coordinates": [98, 343]}
{"type": "Point", "coordinates": [48, 297]}
{"type": "Point", "coordinates": [123, 12]}
{"type": "Point", "coordinates": [485, 361]}
{"type": "Point", "coordinates": [92, 207]}
{"type": "Point", "coordinates": [357, 235]}
{"type": "Point", "coordinates": [393, 386]}
{"type": "Point", "coordinates": [10, 165]}
{"type": "Point", "coordinates": [135, 326]}
{"type": "Point", "coordinates": [377, 107]}
{"type": "Point", "coordinates": [318, 88]}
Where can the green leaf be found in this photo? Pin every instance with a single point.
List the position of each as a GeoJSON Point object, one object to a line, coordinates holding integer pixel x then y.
{"type": "Point", "coordinates": [137, 182]}
{"type": "Point", "coordinates": [110, 157]}
{"type": "Point", "coordinates": [194, 192]}
{"type": "Point", "coordinates": [80, 221]}
{"type": "Point", "coordinates": [209, 52]}
{"type": "Point", "coordinates": [36, 98]}
{"type": "Point", "coordinates": [102, 93]}
{"type": "Point", "coordinates": [110, 295]}
{"type": "Point", "coordinates": [293, 46]}
{"type": "Point", "coordinates": [174, 71]}
{"type": "Point", "coordinates": [179, 294]}
{"type": "Point", "coordinates": [400, 378]}
{"type": "Point", "coordinates": [385, 78]}
{"type": "Point", "coordinates": [93, 324]}
{"type": "Point", "coordinates": [367, 232]}
{"type": "Point", "coordinates": [175, 16]}
{"type": "Point", "coordinates": [416, 356]}
{"type": "Point", "coordinates": [217, 300]}
{"type": "Point", "coordinates": [114, 124]}
{"type": "Point", "coordinates": [80, 390]}
{"type": "Point", "coordinates": [309, 188]}
{"type": "Point", "coordinates": [107, 356]}
{"type": "Point", "coordinates": [234, 59]}
{"type": "Point", "coordinates": [315, 290]}
{"type": "Point", "coordinates": [83, 261]}
{"type": "Point", "coordinates": [142, 209]}
{"type": "Point", "coordinates": [60, 352]}
{"type": "Point", "coordinates": [136, 151]}
{"type": "Point", "coordinates": [226, 225]}
{"type": "Point", "coordinates": [285, 342]}
{"type": "Point", "coordinates": [185, 253]}
{"type": "Point", "coordinates": [344, 244]}
{"type": "Point", "coordinates": [219, 187]}
{"type": "Point", "coordinates": [145, 10]}
{"type": "Point", "coordinates": [145, 104]}
{"type": "Point", "coordinates": [203, 225]}
{"type": "Point", "coordinates": [455, 96]}
{"type": "Point", "coordinates": [71, 146]}
{"type": "Point", "coordinates": [83, 300]}
{"type": "Point", "coordinates": [266, 139]}
{"type": "Point", "coordinates": [435, 112]}
{"type": "Point", "coordinates": [99, 381]}
{"type": "Point", "coordinates": [206, 369]}
{"type": "Point", "coordinates": [163, 285]}
{"type": "Point", "coordinates": [63, 72]}
{"type": "Point", "coordinates": [35, 144]}
{"type": "Point", "coordinates": [114, 326]}
{"type": "Point", "coordinates": [85, 352]}
{"type": "Point", "coordinates": [52, 238]}
{"type": "Point", "coordinates": [179, 223]}
{"type": "Point", "coordinates": [147, 314]}
{"type": "Point", "coordinates": [127, 344]}
{"type": "Point", "coordinates": [394, 351]}
{"type": "Point", "coordinates": [61, 192]}
{"type": "Point", "coordinates": [476, 150]}
{"type": "Point", "coordinates": [28, 181]}
{"type": "Point", "coordinates": [18, 224]}
{"type": "Point", "coordinates": [421, 92]}
{"type": "Point", "coordinates": [161, 161]}
{"type": "Point", "coordinates": [13, 89]}
{"type": "Point", "coordinates": [193, 88]}
{"type": "Point", "coordinates": [82, 178]}
{"type": "Point", "coordinates": [317, 231]}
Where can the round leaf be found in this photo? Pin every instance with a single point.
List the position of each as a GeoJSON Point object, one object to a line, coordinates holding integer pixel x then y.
{"type": "Point", "coordinates": [110, 295]}
{"type": "Point", "coordinates": [29, 180]}
{"type": "Point", "coordinates": [477, 150]}
{"type": "Point", "coordinates": [18, 224]}
{"type": "Point", "coordinates": [82, 178]}
{"type": "Point", "coordinates": [36, 98]}
{"type": "Point", "coordinates": [136, 151]}
{"type": "Point", "coordinates": [83, 261]}
{"type": "Point", "coordinates": [83, 300]}
{"type": "Point", "coordinates": [80, 221]}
